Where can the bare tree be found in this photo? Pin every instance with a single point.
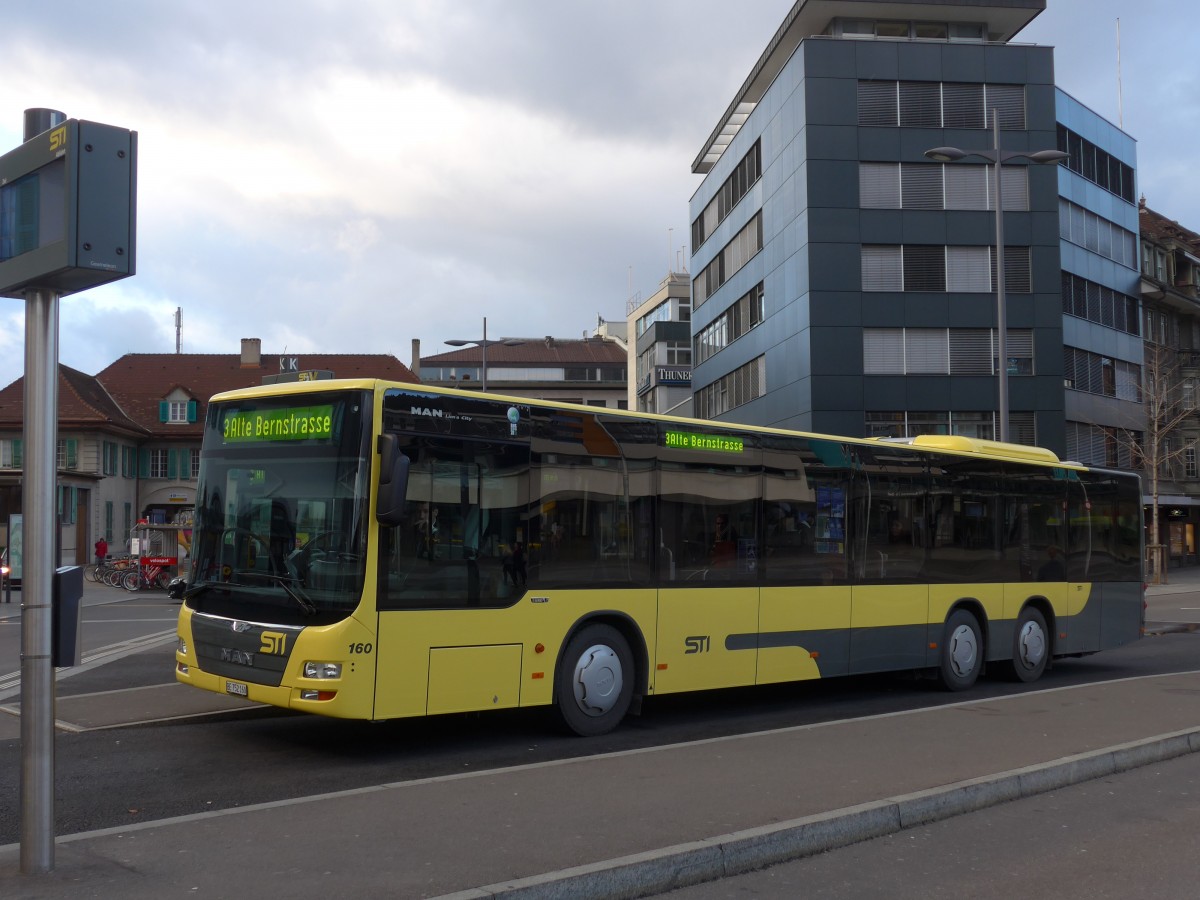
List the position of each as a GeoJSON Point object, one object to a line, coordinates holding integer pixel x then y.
{"type": "Point", "coordinates": [1155, 447]}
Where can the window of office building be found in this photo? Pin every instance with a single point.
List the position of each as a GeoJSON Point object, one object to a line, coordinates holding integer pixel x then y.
{"type": "Point", "coordinates": [931, 104]}
{"type": "Point", "coordinates": [745, 313]}
{"type": "Point", "coordinates": [939, 186]}
{"type": "Point", "coordinates": [934, 268]}
{"type": "Point", "coordinates": [1096, 165]}
{"type": "Point", "coordinates": [944, 351]}
{"type": "Point", "coordinates": [1096, 446]}
{"type": "Point", "coordinates": [745, 174]}
{"type": "Point", "coordinates": [745, 244]}
{"type": "Point", "coordinates": [1088, 300]}
{"type": "Point", "coordinates": [1094, 373]}
{"type": "Point", "coordinates": [739, 387]}
{"type": "Point", "coordinates": [1086, 229]}
{"type": "Point", "coordinates": [973, 424]}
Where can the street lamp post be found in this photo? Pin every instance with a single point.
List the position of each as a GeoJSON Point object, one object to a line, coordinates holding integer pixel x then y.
{"type": "Point", "coordinates": [482, 345]}
{"type": "Point", "coordinates": [996, 157]}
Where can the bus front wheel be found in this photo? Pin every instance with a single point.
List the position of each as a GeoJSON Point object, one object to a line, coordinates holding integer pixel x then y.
{"type": "Point", "coordinates": [595, 681]}
{"type": "Point", "coordinates": [962, 651]}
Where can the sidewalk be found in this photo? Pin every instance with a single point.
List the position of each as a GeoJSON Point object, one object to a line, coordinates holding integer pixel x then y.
{"type": "Point", "coordinates": [628, 824]}
{"type": "Point", "coordinates": [635, 823]}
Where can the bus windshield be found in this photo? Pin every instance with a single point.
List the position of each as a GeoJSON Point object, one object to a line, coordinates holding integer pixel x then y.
{"type": "Point", "coordinates": [280, 526]}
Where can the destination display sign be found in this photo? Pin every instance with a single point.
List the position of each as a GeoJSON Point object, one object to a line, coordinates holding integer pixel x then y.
{"type": "Point", "coordinates": [299, 423]}
{"type": "Point", "coordinates": [716, 443]}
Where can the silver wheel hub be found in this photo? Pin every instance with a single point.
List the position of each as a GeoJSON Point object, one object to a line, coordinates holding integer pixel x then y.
{"type": "Point", "coordinates": [1031, 645]}
{"type": "Point", "coordinates": [964, 650]}
{"type": "Point", "coordinates": [598, 680]}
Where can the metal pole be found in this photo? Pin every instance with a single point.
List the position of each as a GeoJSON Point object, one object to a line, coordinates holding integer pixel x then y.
{"type": "Point", "coordinates": [37, 674]}
{"type": "Point", "coordinates": [483, 377]}
{"type": "Point", "coordinates": [1001, 312]}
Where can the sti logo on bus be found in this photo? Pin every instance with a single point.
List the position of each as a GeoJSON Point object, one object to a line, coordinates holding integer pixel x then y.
{"type": "Point", "coordinates": [697, 643]}
{"type": "Point", "coordinates": [274, 643]}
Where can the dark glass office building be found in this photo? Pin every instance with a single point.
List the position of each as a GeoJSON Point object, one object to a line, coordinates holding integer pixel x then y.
{"type": "Point", "coordinates": [845, 282]}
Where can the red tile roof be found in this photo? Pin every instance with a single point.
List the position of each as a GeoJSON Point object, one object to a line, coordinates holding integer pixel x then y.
{"type": "Point", "coordinates": [126, 395]}
{"type": "Point", "coordinates": [1158, 227]}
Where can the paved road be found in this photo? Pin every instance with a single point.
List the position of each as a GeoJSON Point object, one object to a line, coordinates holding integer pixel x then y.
{"type": "Point", "coordinates": [637, 820]}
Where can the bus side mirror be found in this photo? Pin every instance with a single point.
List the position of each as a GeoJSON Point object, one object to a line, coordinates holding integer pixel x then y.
{"type": "Point", "coordinates": [393, 482]}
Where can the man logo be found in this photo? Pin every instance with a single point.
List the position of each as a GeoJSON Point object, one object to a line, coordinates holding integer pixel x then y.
{"type": "Point", "coordinates": [273, 643]}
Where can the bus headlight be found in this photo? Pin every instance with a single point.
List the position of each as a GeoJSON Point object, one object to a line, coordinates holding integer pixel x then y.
{"type": "Point", "coordinates": [324, 670]}
{"type": "Point", "coordinates": [182, 648]}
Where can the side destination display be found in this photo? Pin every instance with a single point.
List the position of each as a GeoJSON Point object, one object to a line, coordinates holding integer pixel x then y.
{"type": "Point", "coordinates": [716, 443]}
{"type": "Point", "coordinates": [289, 424]}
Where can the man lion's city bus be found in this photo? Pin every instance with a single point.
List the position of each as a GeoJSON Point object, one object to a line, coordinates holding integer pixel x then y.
{"type": "Point", "coordinates": [374, 550]}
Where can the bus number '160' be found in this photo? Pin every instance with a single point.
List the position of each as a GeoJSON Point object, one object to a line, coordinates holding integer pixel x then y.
{"type": "Point", "coordinates": [360, 648]}
{"type": "Point", "coordinates": [696, 644]}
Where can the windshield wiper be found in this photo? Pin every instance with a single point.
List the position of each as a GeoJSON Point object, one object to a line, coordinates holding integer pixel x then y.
{"type": "Point", "coordinates": [290, 586]}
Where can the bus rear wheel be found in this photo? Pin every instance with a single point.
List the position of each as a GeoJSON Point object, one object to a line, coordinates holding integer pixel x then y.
{"type": "Point", "coordinates": [595, 681]}
{"type": "Point", "coordinates": [1031, 646]}
{"type": "Point", "coordinates": [962, 651]}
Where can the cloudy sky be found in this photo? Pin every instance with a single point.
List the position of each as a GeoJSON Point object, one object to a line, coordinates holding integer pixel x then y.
{"type": "Point", "coordinates": [348, 176]}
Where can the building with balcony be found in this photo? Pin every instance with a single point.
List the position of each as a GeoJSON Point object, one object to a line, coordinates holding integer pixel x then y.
{"type": "Point", "coordinates": [1169, 287]}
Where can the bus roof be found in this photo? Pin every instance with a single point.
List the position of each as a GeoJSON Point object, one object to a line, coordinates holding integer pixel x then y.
{"type": "Point", "coordinates": [940, 443]}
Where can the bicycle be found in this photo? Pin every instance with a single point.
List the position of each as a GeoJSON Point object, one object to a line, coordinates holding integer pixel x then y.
{"type": "Point", "coordinates": [151, 576]}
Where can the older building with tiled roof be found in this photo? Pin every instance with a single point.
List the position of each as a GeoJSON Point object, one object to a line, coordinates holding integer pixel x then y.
{"type": "Point", "coordinates": [1170, 293]}
{"type": "Point", "coordinates": [129, 436]}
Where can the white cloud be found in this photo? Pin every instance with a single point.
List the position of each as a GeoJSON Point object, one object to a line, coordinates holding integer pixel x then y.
{"type": "Point", "coordinates": [353, 176]}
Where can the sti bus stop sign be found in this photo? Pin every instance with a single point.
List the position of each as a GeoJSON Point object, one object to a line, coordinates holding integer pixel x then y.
{"type": "Point", "coordinates": [68, 201]}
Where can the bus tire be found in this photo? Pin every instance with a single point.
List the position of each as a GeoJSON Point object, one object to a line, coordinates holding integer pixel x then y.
{"type": "Point", "coordinates": [1031, 646]}
{"type": "Point", "coordinates": [595, 681]}
{"type": "Point", "coordinates": [962, 651]}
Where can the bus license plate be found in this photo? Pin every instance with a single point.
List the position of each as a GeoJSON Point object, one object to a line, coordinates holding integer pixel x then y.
{"type": "Point", "coordinates": [234, 687]}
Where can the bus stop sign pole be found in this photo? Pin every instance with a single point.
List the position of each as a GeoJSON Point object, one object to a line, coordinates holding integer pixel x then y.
{"type": "Point", "coordinates": [67, 223]}
{"type": "Point", "coordinates": [38, 506]}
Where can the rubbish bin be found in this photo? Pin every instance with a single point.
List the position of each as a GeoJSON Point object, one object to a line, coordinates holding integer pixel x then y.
{"type": "Point", "coordinates": [67, 616]}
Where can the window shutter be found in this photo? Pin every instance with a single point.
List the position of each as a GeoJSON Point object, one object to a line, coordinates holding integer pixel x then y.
{"type": "Point", "coordinates": [1009, 101]}
{"type": "Point", "coordinates": [968, 270]}
{"type": "Point", "coordinates": [1014, 183]}
{"type": "Point", "coordinates": [172, 463]}
{"type": "Point", "coordinates": [920, 104]}
{"type": "Point", "coordinates": [882, 268]}
{"type": "Point", "coordinates": [924, 268]}
{"type": "Point", "coordinates": [1017, 271]}
{"type": "Point", "coordinates": [877, 103]}
{"type": "Point", "coordinates": [963, 105]}
{"type": "Point", "coordinates": [883, 351]}
{"type": "Point", "coordinates": [966, 187]}
{"type": "Point", "coordinates": [970, 351]}
{"type": "Point", "coordinates": [18, 454]}
{"type": "Point", "coordinates": [925, 351]}
{"type": "Point", "coordinates": [72, 453]}
{"type": "Point", "coordinates": [143, 463]}
{"type": "Point", "coordinates": [164, 410]}
{"type": "Point", "coordinates": [921, 186]}
{"type": "Point", "coordinates": [191, 410]}
{"type": "Point", "coordinates": [878, 185]}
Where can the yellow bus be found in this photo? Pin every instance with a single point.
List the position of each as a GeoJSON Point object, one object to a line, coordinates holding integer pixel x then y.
{"type": "Point", "coordinates": [373, 550]}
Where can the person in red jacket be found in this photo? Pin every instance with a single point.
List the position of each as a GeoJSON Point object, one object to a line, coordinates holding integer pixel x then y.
{"type": "Point", "coordinates": [101, 551]}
